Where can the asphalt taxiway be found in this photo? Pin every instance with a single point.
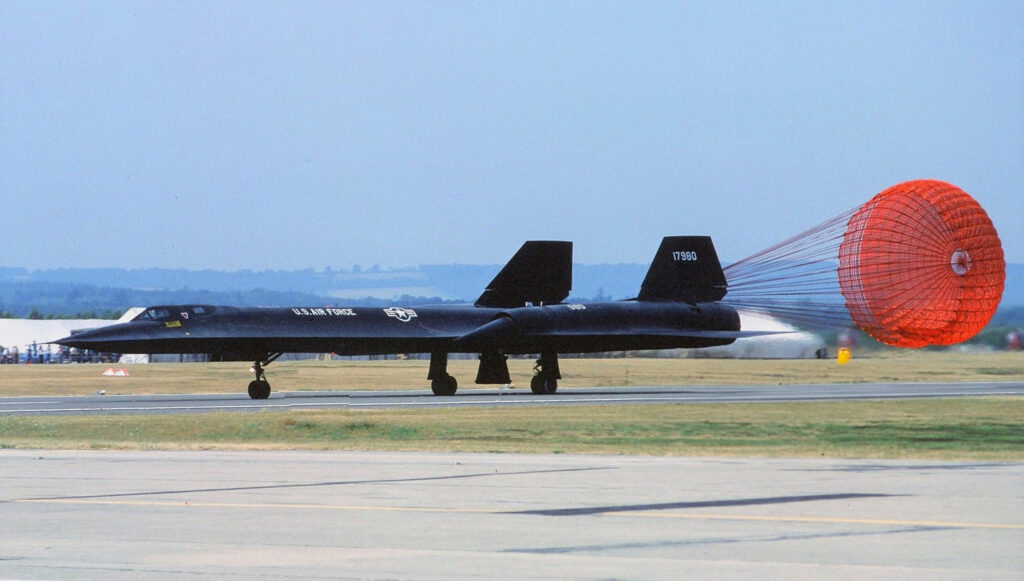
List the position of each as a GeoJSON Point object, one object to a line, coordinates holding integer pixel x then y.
{"type": "Point", "coordinates": [318, 515]}
{"type": "Point", "coordinates": [294, 400]}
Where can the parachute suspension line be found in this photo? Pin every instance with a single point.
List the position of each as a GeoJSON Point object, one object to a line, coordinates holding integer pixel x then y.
{"type": "Point", "coordinates": [919, 264]}
{"type": "Point", "coordinates": [794, 280]}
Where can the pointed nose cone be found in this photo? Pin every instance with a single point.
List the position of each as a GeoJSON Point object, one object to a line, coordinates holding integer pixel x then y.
{"type": "Point", "coordinates": [108, 338]}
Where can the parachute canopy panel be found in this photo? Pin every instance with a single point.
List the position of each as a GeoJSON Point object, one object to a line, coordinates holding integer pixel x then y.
{"type": "Point", "coordinates": [921, 264]}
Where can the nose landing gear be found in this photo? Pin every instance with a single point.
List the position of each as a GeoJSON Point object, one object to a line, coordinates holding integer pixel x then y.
{"type": "Point", "coordinates": [259, 388]}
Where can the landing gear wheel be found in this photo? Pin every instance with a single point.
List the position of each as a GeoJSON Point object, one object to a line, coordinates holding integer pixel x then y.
{"type": "Point", "coordinates": [446, 385]}
{"type": "Point", "coordinates": [542, 385]}
{"type": "Point", "coordinates": [546, 374]}
{"type": "Point", "coordinates": [259, 389]}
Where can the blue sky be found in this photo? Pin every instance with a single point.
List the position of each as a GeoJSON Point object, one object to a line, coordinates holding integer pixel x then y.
{"type": "Point", "coordinates": [279, 135]}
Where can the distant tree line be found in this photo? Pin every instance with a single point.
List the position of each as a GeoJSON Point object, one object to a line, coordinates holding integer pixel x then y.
{"type": "Point", "coordinates": [1006, 320]}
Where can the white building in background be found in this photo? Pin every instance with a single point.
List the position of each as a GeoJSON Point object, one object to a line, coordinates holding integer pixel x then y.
{"type": "Point", "coordinates": [26, 333]}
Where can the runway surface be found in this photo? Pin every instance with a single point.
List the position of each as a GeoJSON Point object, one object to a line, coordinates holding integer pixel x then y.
{"type": "Point", "coordinates": [317, 515]}
{"type": "Point", "coordinates": [166, 404]}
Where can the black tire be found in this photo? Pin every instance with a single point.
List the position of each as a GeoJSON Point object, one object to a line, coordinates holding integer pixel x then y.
{"type": "Point", "coordinates": [259, 389]}
{"type": "Point", "coordinates": [446, 385]}
{"type": "Point", "coordinates": [543, 385]}
{"type": "Point", "coordinates": [537, 385]}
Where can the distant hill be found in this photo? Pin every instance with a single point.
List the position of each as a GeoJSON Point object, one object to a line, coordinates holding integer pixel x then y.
{"type": "Point", "coordinates": [76, 290]}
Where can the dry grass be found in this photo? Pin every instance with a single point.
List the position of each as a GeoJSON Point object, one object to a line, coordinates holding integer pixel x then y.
{"type": "Point", "coordinates": [897, 366]}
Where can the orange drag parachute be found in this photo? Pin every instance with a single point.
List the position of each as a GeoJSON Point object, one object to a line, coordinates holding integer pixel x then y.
{"type": "Point", "coordinates": [919, 264]}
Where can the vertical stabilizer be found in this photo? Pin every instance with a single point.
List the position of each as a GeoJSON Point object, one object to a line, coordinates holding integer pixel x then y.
{"type": "Point", "coordinates": [686, 268]}
{"type": "Point", "coordinates": [540, 273]}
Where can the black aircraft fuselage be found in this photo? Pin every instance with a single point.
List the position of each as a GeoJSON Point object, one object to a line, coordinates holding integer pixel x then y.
{"type": "Point", "coordinates": [519, 313]}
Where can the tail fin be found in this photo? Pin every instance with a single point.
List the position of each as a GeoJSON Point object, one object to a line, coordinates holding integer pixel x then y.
{"type": "Point", "coordinates": [541, 272]}
{"type": "Point", "coordinates": [686, 268]}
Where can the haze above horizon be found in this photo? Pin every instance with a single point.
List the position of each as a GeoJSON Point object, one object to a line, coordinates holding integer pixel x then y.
{"type": "Point", "coordinates": [263, 136]}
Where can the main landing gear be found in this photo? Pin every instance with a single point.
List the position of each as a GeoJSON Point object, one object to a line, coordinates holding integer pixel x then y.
{"type": "Point", "coordinates": [494, 370]}
{"type": "Point", "coordinates": [259, 388]}
{"type": "Point", "coordinates": [546, 374]}
{"type": "Point", "coordinates": [440, 382]}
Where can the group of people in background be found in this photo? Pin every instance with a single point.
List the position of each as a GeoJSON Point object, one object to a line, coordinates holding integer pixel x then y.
{"type": "Point", "coordinates": [46, 353]}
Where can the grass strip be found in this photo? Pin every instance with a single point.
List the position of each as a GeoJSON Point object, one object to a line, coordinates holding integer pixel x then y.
{"type": "Point", "coordinates": [990, 429]}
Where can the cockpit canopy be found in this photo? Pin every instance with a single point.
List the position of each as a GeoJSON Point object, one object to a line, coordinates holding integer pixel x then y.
{"type": "Point", "coordinates": [174, 312]}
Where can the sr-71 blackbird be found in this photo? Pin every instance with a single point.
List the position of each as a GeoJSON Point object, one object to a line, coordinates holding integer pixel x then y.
{"type": "Point", "coordinates": [520, 312]}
